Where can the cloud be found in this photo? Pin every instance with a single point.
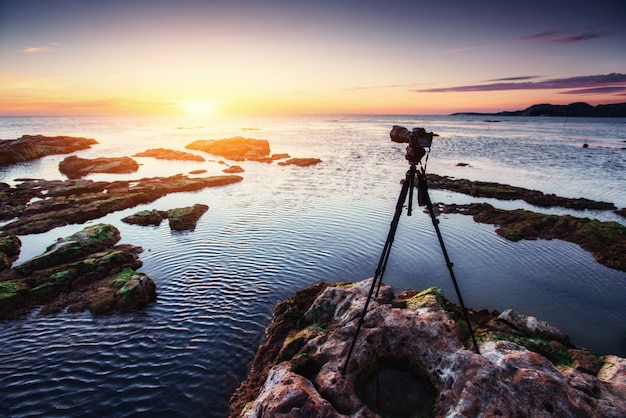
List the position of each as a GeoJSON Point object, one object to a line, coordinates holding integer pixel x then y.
{"type": "Point", "coordinates": [44, 48]}
{"type": "Point", "coordinates": [598, 90]}
{"type": "Point", "coordinates": [567, 36]}
{"type": "Point", "coordinates": [613, 80]}
{"type": "Point", "coordinates": [519, 78]}
{"type": "Point", "coordinates": [388, 86]}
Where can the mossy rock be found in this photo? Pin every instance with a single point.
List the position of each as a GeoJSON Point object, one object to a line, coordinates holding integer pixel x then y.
{"type": "Point", "coordinates": [431, 297]}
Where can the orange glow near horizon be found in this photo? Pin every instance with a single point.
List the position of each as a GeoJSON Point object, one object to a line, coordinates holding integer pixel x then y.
{"type": "Point", "coordinates": [203, 59]}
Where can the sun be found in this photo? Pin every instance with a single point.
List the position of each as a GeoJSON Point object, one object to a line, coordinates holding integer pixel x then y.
{"type": "Point", "coordinates": [197, 107]}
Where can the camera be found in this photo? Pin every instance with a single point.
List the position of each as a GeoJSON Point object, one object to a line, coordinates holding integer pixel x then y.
{"type": "Point", "coordinates": [417, 137]}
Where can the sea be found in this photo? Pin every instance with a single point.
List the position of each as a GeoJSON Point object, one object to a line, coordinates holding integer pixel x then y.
{"type": "Point", "coordinates": [284, 228]}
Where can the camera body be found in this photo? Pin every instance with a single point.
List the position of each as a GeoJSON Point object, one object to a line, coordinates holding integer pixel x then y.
{"type": "Point", "coordinates": [418, 139]}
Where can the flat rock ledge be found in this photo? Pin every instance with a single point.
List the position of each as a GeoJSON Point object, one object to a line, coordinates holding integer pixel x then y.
{"type": "Point", "coordinates": [75, 167]}
{"type": "Point", "coordinates": [32, 147]}
{"type": "Point", "coordinates": [413, 358]}
{"type": "Point", "coordinates": [85, 271]}
{"type": "Point", "coordinates": [36, 205]}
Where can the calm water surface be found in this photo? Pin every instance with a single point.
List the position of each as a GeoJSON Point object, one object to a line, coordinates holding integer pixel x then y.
{"type": "Point", "coordinates": [284, 228]}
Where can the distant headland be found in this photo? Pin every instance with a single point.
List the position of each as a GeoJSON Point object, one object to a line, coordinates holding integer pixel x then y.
{"type": "Point", "coordinates": [580, 109]}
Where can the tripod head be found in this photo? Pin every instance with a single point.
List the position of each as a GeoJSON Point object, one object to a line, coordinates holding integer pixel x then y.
{"type": "Point", "coordinates": [418, 139]}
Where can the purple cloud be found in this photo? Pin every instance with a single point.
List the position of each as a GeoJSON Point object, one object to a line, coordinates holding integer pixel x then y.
{"type": "Point", "coordinates": [581, 82]}
{"type": "Point", "coordinates": [520, 78]}
{"type": "Point", "coordinates": [597, 90]}
{"type": "Point", "coordinates": [566, 36]}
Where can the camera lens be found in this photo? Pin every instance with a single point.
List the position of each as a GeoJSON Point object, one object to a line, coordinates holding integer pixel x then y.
{"type": "Point", "coordinates": [400, 134]}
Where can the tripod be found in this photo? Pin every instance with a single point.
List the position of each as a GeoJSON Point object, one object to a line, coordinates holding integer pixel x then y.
{"type": "Point", "coordinates": [423, 199]}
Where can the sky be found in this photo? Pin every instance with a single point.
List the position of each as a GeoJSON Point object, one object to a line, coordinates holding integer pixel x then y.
{"type": "Point", "coordinates": [75, 57]}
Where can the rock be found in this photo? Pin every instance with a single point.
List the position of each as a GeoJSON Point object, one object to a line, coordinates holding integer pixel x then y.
{"type": "Point", "coordinates": [57, 200]}
{"type": "Point", "coordinates": [606, 240]}
{"type": "Point", "coordinates": [32, 147]}
{"type": "Point", "coordinates": [182, 219]}
{"type": "Point", "coordinates": [532, 326]}
{"type": "Point", "coordinates": [75, 167]}
{"type": "Point", "coordinates": [146, 217]}
{"type": "Point", "coordinates": [621, 212]}
{"type": "Point", "coordinates": [10, 247]}
{"type": "Point", "coordinates": [237, 148]}
{"type": "Point", "coordinates": [506, 192]}
{"type": "Point", "coordinates": [301, 162]}
{"type": "Point", "coordinates": [413, 358]}
{"type": "Point", "coordinates": [86, 270]}
{"type": "Point", "coordinates": [168, 154]}
{"type": "Point", "coordinates": [233, 169]}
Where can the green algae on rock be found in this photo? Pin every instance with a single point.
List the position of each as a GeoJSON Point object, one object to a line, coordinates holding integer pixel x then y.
{"type": "Point", "coordinates": [86, 270]}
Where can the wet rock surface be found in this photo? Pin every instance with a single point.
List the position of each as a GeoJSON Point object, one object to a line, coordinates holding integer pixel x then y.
{"type": "Point", "coordinates": [416, 344]}
{"type": "Point", "coordinates": [168, 154]}
{"type": "Point", "coordinates": [32, 147]}
{"type": "Point", "coordinates": [85, 271]}
{"type": "Point", "coordinates": [75, 167]}
{"type": "Point", "coordinates": [41, 205]}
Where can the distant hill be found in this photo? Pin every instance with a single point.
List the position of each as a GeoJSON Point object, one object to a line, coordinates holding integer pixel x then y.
{"type": "Point", "coordinates": [581, 109]}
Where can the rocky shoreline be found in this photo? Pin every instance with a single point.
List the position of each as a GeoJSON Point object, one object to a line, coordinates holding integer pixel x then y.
{"type": "Point", "coordinates": [413, 358]}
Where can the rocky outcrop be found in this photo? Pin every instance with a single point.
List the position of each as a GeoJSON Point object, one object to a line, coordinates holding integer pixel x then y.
{"type": "Point", "coordinates": [10, 247]}
{"type": "Point", "coordinates": [41, 205]}
{"type": "Point", "coordinates": [233, 169]}
{"type": "Point", "coordinates": [32, 147]}
{"type": "Point", "coordinates": [183, 219]}
{"type": "Point", "coordinates": [180, 219]}
{"type": "Point", "coordinates": [606, 240]}
{"type": "Point", "coordinates": [237, 148]}
{"type": "Point", "coordinates": [168, 154]}
{"type": "Point", "coordinates": [74, 167]}
{"type": "Point", "coordinates": [413, 358]}
{"type": "Point", "coordinates": [146, 217]}
{"type": "Point", "coordinates": [617, 110]}
{"type": "Point", "coordinates": [301, 162]}
{"type": "Point", "coordinates": [506, 192]}
{"type": "Point", "coordinates": [86, 270]}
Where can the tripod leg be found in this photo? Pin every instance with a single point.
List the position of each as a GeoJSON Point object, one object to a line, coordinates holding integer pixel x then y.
{"type": "Point", "coordinates": [382, 262]}
{"type": "Point", "coordinates": [423, 188]}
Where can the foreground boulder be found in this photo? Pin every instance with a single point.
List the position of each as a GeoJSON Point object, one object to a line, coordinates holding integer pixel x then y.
{"type": "Point", "coordinates": [32, 147]}
{"type": "Point", "coordinates": [86, 270]}
{"type": "Point", "coordinates": [40, 205]}
{"type": "Point", "coordinates": [413, 358]}
{"type": "Point", "coordinates": [75, 167]}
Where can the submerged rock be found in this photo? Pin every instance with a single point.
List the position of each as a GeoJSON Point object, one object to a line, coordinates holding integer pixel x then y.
{"type": "Point", "coordinates": [413, 358]}
{"type": "Point", "coordinates": [75, 167]}
{"type": "Point", "coordinates": [32, 147]}
{"type": "Point", "coordinates": [86, 270]}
